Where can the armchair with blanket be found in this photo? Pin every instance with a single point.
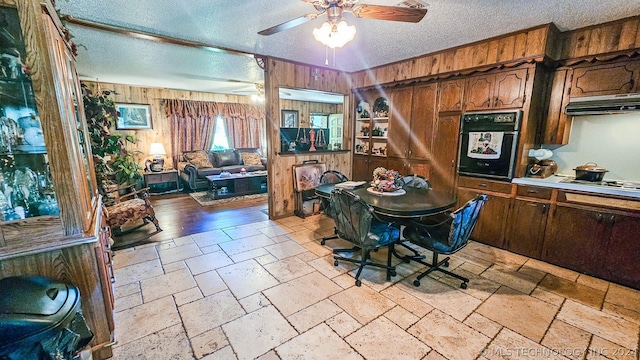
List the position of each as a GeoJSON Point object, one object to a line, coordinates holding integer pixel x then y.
{"type": "Point", "coordinates": [195, 166]}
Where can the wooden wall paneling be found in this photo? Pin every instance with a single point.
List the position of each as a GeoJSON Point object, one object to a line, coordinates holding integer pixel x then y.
{"type": "Point", "coordinates": [280, 179]}
{"type": "Point", "coordinates": [537, 42]}
{"type": "Point", "coordinates": [447, 61]}
{"type": "Point", "coordinates": [421, 66]}
{"type": "Point", "coordinates": [578, 44]}
{"type": "Point", "coordinates": [506, 46]}
{"type": "Point", "coordinates": [480, 52]}
{"type": "Point", "coordinates": [520, 46]}
{"type": "Point", "coordinates": [463, 58]}
{"type": "Point", "coordinates": [605, 39]}
{"type": "Point", "coordinates": [161, 131]}
{"type": "Point", "coordinates": [492, 53]}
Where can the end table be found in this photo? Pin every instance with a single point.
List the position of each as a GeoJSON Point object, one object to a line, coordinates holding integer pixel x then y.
{"type": "Point", "coordinates": [162, 177]}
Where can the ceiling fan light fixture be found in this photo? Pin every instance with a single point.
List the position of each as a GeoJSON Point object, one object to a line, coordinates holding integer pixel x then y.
{"type": "Point", "coordinates": [334, 35]}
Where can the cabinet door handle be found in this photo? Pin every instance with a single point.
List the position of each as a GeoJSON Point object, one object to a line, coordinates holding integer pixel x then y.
{"type": "Point", "coordinates": [613, 219]}
{"type": "Point", "coordinates": [544, 208]}
{"type": "Point", "coordinates": [482, 185]}
{"type": "Point", "coordinates": [599, 218]}
{"type": "Point", "coordinates": [495, 103]}
{"type": "Point", "coordinates": [532, 191]}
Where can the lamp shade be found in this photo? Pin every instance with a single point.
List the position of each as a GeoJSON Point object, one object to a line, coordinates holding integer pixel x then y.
{"type": "Point", "coordinates": [157, 149]}
{"type": "Point", "coordinates": [334, 35]}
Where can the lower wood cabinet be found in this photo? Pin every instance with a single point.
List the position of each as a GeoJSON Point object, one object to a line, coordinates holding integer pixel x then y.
{"type": "Point", "coordinates": [527, 220]}
{"type": "Point", "coordinates": [363, 166]}
{"type": "Point", "coordinates": [526, 225]}
{"type": "Point", "coordinates": [598, 241]}
{"type": "Point", "coordinates": [492, 221]}
{"type": "Point", "coordinates": [574, 239]}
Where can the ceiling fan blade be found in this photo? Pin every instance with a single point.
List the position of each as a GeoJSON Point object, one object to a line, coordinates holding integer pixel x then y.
{"type": "Point", "coordinates": [393, 13]}
{"type": "Point", "coordinates": [289, 24]}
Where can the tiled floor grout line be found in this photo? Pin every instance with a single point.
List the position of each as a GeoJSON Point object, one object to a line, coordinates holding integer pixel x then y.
{"type": "Point", "coordinates": [496, 265]}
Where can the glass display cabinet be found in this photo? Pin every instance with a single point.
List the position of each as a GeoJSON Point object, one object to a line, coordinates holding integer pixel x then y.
{"type": "Point", "coordinates": [51, 223]}
{"type": "Point", "coordinates": [26, 188]}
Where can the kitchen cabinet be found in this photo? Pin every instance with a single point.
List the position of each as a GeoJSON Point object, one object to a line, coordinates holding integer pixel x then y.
{"type": "Point", "coordinates": [411, 127]}
{"type": "Point", "coordinates": [573, 239]}
{"type": "Point", "coordinates": [527, 221]}
{"type": "Point", "coordinates": [400, 133]}
{"type": "Point", "coordinates": [444, 152]}
{"type": "Point", "coordinates": [596, 240]}
{"type": "Point", "coordinates": [502, 90]}
{"type": "Point", "coordinates": [492, 221]}
{"type": "Point", "coordinates": [63, 241]}
{"type": "Point", "coordinates": [363, 167]}
{"type": "Point", "coordinates": [606, 79]}
{"type": "Point", "coordinates": [557, 124]}
{"type": "Point", "coordinates": [450, 95]}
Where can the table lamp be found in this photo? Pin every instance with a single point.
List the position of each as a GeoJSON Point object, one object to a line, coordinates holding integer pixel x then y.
{"type": "Point", "coordinates": [158, 152]}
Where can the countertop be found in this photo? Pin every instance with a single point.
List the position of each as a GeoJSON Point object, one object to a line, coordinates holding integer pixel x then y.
{"type": "Point", "coordinates": [556, 182]}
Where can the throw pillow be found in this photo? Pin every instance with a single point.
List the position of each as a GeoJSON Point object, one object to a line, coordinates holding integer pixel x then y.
{"type": "Point", "coordinates": [251, 159]}
{"type": "Point", "coordinates": [199, 159]}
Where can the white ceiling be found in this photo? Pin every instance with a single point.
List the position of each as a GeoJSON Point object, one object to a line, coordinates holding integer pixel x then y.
{"type": "Point", "coordinates": [233, 24]}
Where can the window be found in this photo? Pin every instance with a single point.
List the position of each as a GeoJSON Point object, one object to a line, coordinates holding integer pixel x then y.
{"type": "Point", "coordinates": [220, 138]}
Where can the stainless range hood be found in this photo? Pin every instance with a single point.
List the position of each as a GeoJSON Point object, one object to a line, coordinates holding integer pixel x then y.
{"type": "Point", "coordinates": [610, 104]}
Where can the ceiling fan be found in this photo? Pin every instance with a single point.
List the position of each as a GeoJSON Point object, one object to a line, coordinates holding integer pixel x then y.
{"type": "Point", "coordinates": [335, 8]}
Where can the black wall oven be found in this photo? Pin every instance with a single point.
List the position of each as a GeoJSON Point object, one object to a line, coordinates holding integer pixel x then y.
{"type": "Point", "coordinates": [488, 142]}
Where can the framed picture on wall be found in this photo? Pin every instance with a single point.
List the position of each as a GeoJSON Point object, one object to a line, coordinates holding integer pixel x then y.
{"type": "Point", "coordinates": [133, 116]}
{"type": "Point", "coordinates": [289, 119]}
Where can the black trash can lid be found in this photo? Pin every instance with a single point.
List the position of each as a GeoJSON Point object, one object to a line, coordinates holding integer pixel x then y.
{"type": "Point", "coordinates": [32, 305]}
{"type": "Point", "coordinates": [31, 295]}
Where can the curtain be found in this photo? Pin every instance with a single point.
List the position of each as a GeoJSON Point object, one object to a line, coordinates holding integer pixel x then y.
{"type": "Point", "coordinates": [192, 124]}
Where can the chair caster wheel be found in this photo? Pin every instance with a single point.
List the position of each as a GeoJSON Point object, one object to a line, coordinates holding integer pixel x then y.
{"type": "Point", "coordinates": [406, 260]}
{"type": "Point", "coordinates": [358, 283]}
{"type": "Point", "coordinates": [392, 273]}
{"type": "Point", "coordinates": [322, 242]}
{"type": "Point", "coordinates": [446, 264]}
{"type": "Point", "coordinates": [416, 283]}
{"type": "Point", "coordinates": [335, 262]}
{"type": "Point", "coordinates": [463, 285]}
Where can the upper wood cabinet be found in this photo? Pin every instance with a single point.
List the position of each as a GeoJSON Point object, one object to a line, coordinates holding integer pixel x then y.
{"type": "Point", "coordinates": [503, 90]}
{"type": "Point", "coordinates": [606, 79]}
{"type": "Point", "coordinates": [444, 152]}
{"type": "Point", "coordinates": [450, 95]}
{"type": "Point", "coordinates": [400, 119]}
{"type": "Point", "coordinates": [412, 129]}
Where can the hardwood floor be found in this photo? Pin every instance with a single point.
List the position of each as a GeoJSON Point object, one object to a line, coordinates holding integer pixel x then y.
{"type": "Point", "coordinates": [179, 215]}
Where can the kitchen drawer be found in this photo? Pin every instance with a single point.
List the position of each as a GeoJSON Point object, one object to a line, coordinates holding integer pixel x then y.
{"type": "Point", "coordinates": [484, 184]}
{"type": "Point", "coordinates": [534, 192]}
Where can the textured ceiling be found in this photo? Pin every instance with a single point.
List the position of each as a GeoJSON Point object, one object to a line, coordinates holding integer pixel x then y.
{"type": "Point", "coordinates": [233, 24]}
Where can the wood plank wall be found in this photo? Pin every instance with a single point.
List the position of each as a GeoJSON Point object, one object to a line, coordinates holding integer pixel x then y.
{"type": "Point", "coordinates": [307, 107]}
{"type": "Point", "coordinates": [282, 73]}
{"type": "Point", "coordinates": [154, 97]}
{"type": "Point", "coordinates": [607, 38]}
{"type": "Point", "coordinates": [533, 43]}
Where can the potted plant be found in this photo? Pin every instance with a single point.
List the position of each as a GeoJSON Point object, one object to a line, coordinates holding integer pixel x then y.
{"type": "Point", "coordinates": [114, 164]}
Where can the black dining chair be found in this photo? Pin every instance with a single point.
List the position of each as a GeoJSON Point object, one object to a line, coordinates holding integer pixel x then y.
{"type": "Point", "coordinates": [330, 177]}
{"type": "Point", "coordinates": [416, 181]}
{"type": "Point", "coordinates": [357, 223]}
{"type": "Point", "coordinates": [445, 237]}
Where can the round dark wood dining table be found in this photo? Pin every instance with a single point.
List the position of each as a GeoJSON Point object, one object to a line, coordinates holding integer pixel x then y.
{"type": "Point", "coordinates": [413, 204]}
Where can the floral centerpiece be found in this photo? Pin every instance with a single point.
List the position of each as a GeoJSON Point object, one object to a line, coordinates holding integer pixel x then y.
{"type": "Point", "coordinates": [386, 180]}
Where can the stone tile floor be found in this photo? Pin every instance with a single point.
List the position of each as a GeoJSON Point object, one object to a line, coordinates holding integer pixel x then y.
{"type": "Point", "coordinates": [269, 290]}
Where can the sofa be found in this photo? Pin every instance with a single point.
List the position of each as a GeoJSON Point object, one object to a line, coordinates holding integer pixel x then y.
{"type": "Point", "coordinates": [195, 166]}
